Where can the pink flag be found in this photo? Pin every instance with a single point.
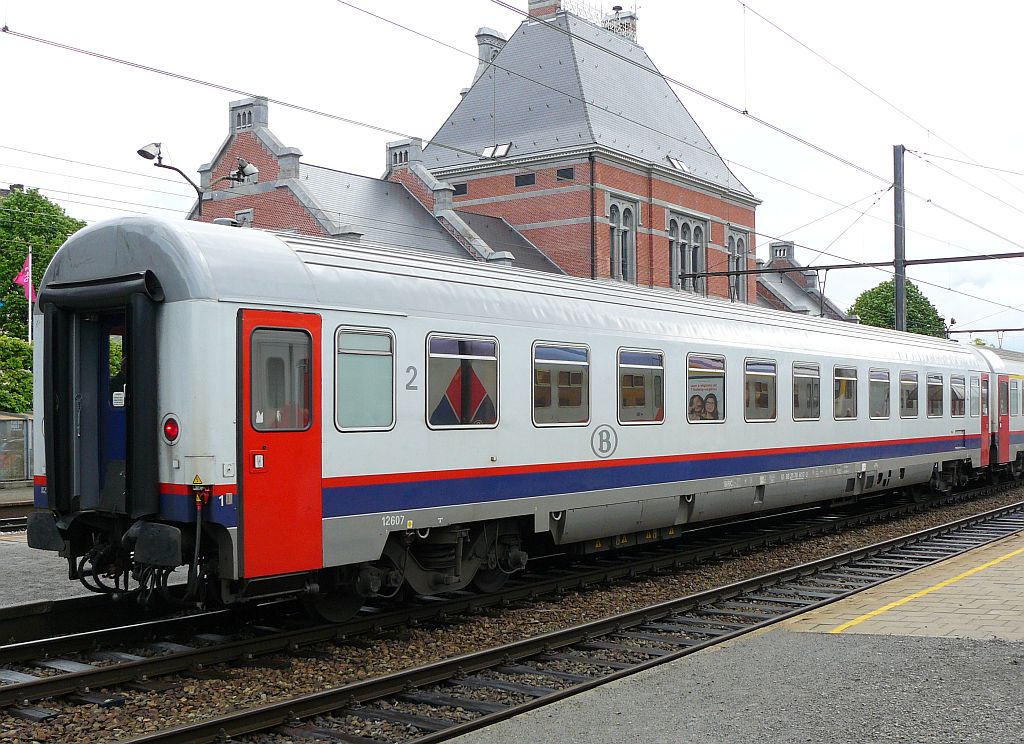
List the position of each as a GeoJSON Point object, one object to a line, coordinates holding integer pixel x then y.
{"type": "Point", "coordinates": [24, 278]}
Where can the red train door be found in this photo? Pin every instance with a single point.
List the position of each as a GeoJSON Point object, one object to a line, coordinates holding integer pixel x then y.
{"type": "Point", "coordinates": [279, 465]}
{"type": "Point", "coordinates": [986, 436]}
{"type": "Point", "coordinates": [1003, 435]}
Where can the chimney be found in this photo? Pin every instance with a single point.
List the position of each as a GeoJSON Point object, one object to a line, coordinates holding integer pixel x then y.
{"type": "Point", "coordinates": [783, 250]}
{"type": "Point", "coordinates": [621, 22]}
{"type": "Point", "coordinates": [545, 9]}
{"type": "Point", "coordinates": [488, 43]}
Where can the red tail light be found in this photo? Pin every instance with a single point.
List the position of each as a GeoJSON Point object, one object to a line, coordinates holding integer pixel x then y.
{"type": "Point", "coordinates": [171, 430]}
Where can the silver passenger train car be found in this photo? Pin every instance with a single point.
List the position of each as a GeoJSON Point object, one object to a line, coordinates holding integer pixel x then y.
{"type": "Point", "coordinates": [284, 414]}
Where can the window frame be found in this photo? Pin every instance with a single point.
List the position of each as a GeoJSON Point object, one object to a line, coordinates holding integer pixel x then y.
{"type": "Point", "coordinates": [917, 391]}
{"type": "Point", "coordinates": [965, 395]}
{"type": "Point", "coordinates": [252, 380]}
{"type": "Point", "coordinates": [888, 384]}
{"type": "Point", "coordinates": [524, 180]}
{"type": "Point", "coordinates": [618, 385]}
{"type": "Point", "coordinates": [561, 176]}
{"type": "Point", "coordinates": [856, 391]}
{"type": "Point", "coordinates": [806, 377]}
{"type": "Point", "coordinates": [533, 373]}
{"type": "Point", "coordinates": [928, 385]}
{"type": "Point", "coordinates": [367, 331]}
{"type": "Point", "coordinates": [974, 383]}
{"type": "Point", "coordinates": [455, 335]}
{"type": "Point", "coordinates": [775, 376]}
{"type": "Point", "coordinates": [725, 380]}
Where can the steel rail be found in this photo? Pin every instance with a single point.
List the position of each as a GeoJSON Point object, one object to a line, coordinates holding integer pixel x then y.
{"type": "Point", "coordinates": [289, 712]}
{"type": "Point", "coordinates": [609, 568]}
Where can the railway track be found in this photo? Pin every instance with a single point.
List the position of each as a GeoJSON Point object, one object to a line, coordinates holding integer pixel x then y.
{"type": "Point", "coordinates": [142, 650]}
{"type": "Point", "coordinates": [439, 701]}
{"type": "Point", "coordinates": [14, 515]}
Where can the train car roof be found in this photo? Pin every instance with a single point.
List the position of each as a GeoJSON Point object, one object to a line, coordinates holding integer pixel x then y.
{"type": "Point", "coordinates": [200, 261]}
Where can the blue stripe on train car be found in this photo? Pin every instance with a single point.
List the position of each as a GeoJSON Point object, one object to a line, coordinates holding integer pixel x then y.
{"type": "Point", "coordinates": [39, 497]}
{"type": "Point", "coordinates": [341, 501]}
{"type": "Point", "coordinates": [176, 507]}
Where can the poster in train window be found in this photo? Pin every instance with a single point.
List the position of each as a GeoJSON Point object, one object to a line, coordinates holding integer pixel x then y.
{"type": "Point", "coordinates": [759, 390]}
{"type": "Point", "coordinates": [957, 395]}
{"type": "Point", "coordinates": [908, 394]}
{"type": "Point", "coordinates": [561, 384]}
{"type": "Point", "coordinates": [705, 388]}
{"type": "Point", "coordinates": [462, 382]}
{"type": "Point", "coordinates": [640, 386]}
{"type": "Point", "coordinates": [934, 395]}
{"type": "Point", "coordinates": [364, 380]}
{"type": "Point", "coordinates": [844, 393]}
{"type": "Point", "coordinates": [806, 391]}
{"type": "Point", "coordinates": [878, 393]}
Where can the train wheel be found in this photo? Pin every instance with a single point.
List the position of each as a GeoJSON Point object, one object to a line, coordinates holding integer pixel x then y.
{"type": "Point", "coordinates": [332, 607]}
{"type": "Point", "coordinates": [489, 580]}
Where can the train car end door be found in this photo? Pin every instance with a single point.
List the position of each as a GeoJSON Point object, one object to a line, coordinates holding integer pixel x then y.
{"type": "Point", "coordinates": [280, 443]}
{"type": "Point", "coordinates": [1003, 411]}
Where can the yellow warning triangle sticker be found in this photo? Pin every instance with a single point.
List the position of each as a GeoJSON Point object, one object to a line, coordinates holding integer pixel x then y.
{"type": "Point", "coordinates": [197, 481]}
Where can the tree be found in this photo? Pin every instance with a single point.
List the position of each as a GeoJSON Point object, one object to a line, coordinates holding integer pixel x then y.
{"type": "Point", "coordinates": [15, 375]}
{"type": "Point", "coordinates": [877, 307]}
{"type": "Point", "coordinates": [27, 218]}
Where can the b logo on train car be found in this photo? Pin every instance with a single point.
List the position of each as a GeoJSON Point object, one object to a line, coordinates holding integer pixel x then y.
{"type": "Point", "coordinates": [604, 441]}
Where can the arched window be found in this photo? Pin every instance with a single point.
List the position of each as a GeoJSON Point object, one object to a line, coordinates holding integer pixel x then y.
{"type": "Point", "coordinates": [737, 245]}
{"type": "Point", "coordinates": [697, 262]}
{"type": "Point", "coordinates": [613, 229]}
{"type": "Point", "coordinates": [674, 264]}
{"type": "Point", "coordinates": [238, 120]}
{"type": "Point", "coordinates": [627, 253]}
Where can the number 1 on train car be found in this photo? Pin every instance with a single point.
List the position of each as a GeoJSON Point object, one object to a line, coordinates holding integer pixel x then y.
{"type": "Point", "coordinates": [279, 476]}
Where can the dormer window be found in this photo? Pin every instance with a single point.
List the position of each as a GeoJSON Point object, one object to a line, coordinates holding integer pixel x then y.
{"type": "Point", "coordinates": [678, 164]}
{"type": "Point", "coordinates": [496, 151]}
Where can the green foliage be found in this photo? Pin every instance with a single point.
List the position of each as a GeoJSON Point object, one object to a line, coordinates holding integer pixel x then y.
{"type": "Point", "coordinates": [979, 342]}
{"type": "Point", "coordinates": [15, 375]}
{"type": "Point", "coordinates": [877, 307]}
{"type": "Point", "coordinates": [27, 218]}
{"type": "Point", "coordinates": [116, 355]}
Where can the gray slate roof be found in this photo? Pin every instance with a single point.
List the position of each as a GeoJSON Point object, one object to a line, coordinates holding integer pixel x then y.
{"type": "Point", "coordinates": [533, 96]}
{"type": "Point", "coordinates": [501, 236]}
{"type": "Point", "coordinates": [383, 211]}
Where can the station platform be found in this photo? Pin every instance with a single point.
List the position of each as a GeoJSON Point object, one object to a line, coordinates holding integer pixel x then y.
{"type": "Point", "coordinates": [934, 656]}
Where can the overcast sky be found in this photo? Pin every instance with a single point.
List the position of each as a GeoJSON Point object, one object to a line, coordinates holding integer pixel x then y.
{"type": "Point", "coordinates": [951, 68]}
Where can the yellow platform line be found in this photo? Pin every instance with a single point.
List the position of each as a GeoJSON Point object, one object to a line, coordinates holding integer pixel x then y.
{"type": "Point", "coordinates": [923, 592]}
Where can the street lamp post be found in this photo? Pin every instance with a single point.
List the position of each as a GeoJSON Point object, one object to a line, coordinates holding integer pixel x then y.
{"type": "Point", "coordinates": [244, 170]}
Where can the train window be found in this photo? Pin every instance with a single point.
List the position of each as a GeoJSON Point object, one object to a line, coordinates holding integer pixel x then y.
{"type": "Point", "coordinates": [984, 399]}
{"type": "Point", "coordinates": [1004, 398]}
{"type": "Point", "coordinates": [364, 380]}
{"type": "Point", "coordinates": [282, 379]}
{"type": "Point", "coordinates": [759, 390]}
{"type": "Point", "coordinates": [462, 382]}
{"type": "Point", "coordinates": [561, 385]}
{"type": "Point", "coordinates": [934, 395]}
{"type": "Point", "coordinates": [641, 398]}
{"type": "Point", "coordinates": [806, 391]}
{"type": "Point", "coordinates": [878, 393]}
{"type": "Point", "coordinates": [705, 388]}
{"type": "Point", "coordinates": [908, 395]}
{"type": "Point", "coordinates": [957, 395]}
{"type": "Point", "coordinates": [844, 393]}
{"type": "Point", "coordinates": [1014, 399]}
{"type": "Point", "coordinates": [975, 396]}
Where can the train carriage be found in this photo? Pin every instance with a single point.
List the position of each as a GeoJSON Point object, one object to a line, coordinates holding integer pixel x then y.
{"type": "Point", "coordinates": [284, 414]}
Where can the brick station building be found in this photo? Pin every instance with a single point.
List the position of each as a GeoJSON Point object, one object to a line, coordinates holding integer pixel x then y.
{"type": "Point", "coordinates": [568, 153]}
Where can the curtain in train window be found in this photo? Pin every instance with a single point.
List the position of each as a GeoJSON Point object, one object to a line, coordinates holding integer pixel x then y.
{"type": "Point", "coordinates": [908, 395]}
{"type": "Point", "coordinates": [844, 393]}
{"type": "Point", "coordinates": [975, 396]}
{"type": "Point", "coordinates": [957, 395]}
{"type": "Point", "coordinates": [1014, 399]}
{"type": "Point", "coordinates": [281, 379]}
{"type": "Point", "coordinates": [705, 388]}
{"type": "Point", "coordinates": [462, 382]}
{"type": "Point", "coordinates": [365, 374]}
{"type": "Point", "coordinates": [806, 391]}
{"type": "Point", "coordinates": [759, 394]}
{"type": "Point", "coordinates": [878, 393]}
{"type": "Point", "coordinates": [935, 387]}
{"type": "Point", "coordinates": [561, 384]}
{"type": "Point", "coordinates": [641, 398]}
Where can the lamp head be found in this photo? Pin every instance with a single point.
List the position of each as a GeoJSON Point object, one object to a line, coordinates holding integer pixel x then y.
{"type": "Point", "coordinates": [150, 151]}
{"type": "Point", "coordinates": [246, 169]}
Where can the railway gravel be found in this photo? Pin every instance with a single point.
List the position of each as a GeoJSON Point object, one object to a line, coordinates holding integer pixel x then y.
{"type": "Point", "coordinates": [225, 690]}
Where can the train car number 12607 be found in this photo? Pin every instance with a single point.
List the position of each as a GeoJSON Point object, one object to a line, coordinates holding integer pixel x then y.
{"type": "Point", "coordinates": [393, 520]}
